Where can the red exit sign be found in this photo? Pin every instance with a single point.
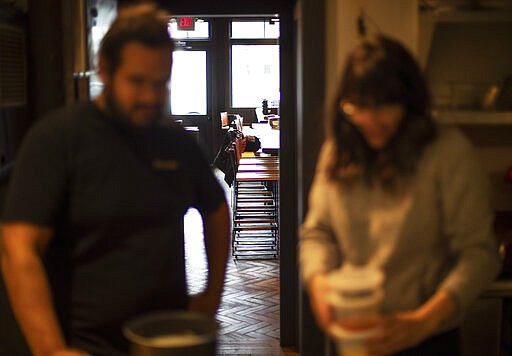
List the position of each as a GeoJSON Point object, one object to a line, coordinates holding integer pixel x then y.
{"type": "Point", "coordinates": [186, 23]}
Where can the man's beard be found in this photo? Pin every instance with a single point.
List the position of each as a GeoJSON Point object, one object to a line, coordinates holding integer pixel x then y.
{"type": "Point", "coordinates": [114, 109]}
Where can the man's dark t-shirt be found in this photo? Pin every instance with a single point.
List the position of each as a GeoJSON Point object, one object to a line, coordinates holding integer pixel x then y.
{"type": "Point", "coordinates": [115, 197]}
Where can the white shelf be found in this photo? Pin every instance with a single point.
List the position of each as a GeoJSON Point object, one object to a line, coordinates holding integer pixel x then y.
{"type": "Point", "coordinates": [475, 16]}
{"type": "Point", "coordinates": [473, 117]}
{"type": "Point", "coordinates": [468, 16]}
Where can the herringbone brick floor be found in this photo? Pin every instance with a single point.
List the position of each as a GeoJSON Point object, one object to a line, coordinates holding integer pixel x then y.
{"type": "Point", "coordinates": [249, 313]}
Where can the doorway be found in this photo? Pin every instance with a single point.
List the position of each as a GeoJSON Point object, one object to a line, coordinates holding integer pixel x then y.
{"type": "Point", "coordinates": [289, 198]}
{"type": "Point", "coordinates": [239, 56]}
{"type": "Point", "coordinates": [192, 77]}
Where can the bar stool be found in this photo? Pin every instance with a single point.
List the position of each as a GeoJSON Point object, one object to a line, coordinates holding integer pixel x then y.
{"type": "Point", "coordinates": [255, 232]}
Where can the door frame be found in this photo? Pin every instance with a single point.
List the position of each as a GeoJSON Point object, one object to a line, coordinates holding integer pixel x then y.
{"type": "Point", "coordinates": [289, 177]}
{"type": "Point", "coordinates": [203, 122]}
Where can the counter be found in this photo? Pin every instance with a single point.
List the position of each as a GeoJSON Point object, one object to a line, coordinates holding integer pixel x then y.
{"type": "Point", "coordinates": [486, 329]}
{"type": "Point", "coordinates": [502, 288]}
{"type": "Point", "coordinates": [269, 138]}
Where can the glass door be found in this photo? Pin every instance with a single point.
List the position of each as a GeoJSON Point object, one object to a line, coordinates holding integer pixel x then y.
{"type": "Point", "coordinates": [189, 86]}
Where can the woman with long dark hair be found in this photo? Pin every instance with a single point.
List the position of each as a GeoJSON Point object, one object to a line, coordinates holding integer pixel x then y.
{"type": "Point", "coordinates": [395, 191]}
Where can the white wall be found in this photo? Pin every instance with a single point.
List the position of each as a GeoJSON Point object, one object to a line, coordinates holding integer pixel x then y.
{"type": "Point", "coordinates": [395, 18]}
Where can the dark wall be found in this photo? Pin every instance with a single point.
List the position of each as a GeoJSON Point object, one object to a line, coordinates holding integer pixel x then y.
{"type": "Point", "coordinates": [13, 85]}
{"type": "Point", "coordinates": [224, 7]}
{"type": "Point", "coordinates": [46, 74]}
{"type": "Point", "coordinates": [310, 102]}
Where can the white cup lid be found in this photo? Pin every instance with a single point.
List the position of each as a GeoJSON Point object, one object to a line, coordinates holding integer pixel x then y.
{"type": "Point", "coordinates": [353, 278]}
{"type": "Point", "coordinates": [343, 334]}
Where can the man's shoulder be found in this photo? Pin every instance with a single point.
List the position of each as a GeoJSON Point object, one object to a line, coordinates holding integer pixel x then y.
{"type": "Point", "coordinates": [61, 125]}
{"type": "Point", "coordinates": [65, 118]}
{"type": "Point", "coordinates": [70, 114]}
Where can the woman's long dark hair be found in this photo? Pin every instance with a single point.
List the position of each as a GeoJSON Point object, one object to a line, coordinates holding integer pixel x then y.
{"type": "Point", "coordinates": [380, 71]}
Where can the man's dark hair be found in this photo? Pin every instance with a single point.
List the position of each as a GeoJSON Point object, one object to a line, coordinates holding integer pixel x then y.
{"type": "Point", "coordinates": [380, 71]}
{"type": "Point", "coordinates": [143, 23]}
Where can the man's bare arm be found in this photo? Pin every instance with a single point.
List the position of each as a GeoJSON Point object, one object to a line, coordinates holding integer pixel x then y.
{"type": "Point", "coordinates": [27, 285]}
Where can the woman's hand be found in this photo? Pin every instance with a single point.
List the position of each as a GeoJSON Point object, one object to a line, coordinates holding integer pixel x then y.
{"type": "Point", "coordinates": [318, 289]}
{"type": "Point", "coordinates": [397, 332]}
{"type": "Point", "coordinates": [403, 330]}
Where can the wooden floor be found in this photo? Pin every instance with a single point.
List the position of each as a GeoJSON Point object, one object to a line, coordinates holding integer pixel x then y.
{"type": "Point", "coordinates": [249, 312]}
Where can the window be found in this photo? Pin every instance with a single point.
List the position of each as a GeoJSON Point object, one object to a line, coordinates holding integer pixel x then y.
{"type": "Point", "coordinates": [254, 63]}
{"type": "Point", "coordinates": [255, 29]}
{"type": "Point", "coordinates": [255, 74]}
{"type": "Point", "coordinates": [188, 83]}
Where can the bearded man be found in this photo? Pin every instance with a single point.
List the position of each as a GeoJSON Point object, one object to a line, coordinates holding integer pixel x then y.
{"type": "Point", "coordinates": [93, 221]}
